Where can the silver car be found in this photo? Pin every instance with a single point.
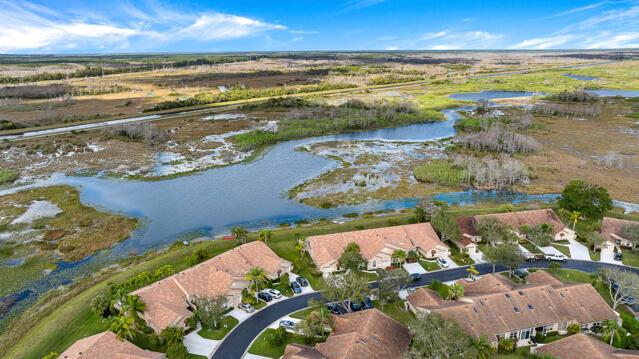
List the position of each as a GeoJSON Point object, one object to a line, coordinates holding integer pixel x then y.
{"type": "Point", "coordinates": [246, 307]}
{"type": "Point", "coordinates": [442, 262]}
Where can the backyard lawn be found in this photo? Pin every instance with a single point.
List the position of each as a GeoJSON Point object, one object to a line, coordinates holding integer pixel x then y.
{"type": "Point", "coordinates": [228, 323]}
{"type": "Point", "coordinates": [262, 346]}
{"type": "Point", "coordinates": [396, 311]}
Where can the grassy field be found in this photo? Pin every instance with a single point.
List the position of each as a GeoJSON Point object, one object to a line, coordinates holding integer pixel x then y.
{"type": "Point", "coordinates": [228, 323]}
{"type": "Point", "coordinates": [262, 346]}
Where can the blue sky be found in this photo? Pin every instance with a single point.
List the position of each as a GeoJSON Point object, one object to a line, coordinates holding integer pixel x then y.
{"type": "Point", "coordinates": [127, 26]}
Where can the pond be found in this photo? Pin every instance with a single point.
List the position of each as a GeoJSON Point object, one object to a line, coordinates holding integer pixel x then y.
{"type": "Point", "coordinates": [581, 78]}
{"type": "Point", "coordinates": [616, 93]}
{"type": "Point", "coordinates": [489, 95]}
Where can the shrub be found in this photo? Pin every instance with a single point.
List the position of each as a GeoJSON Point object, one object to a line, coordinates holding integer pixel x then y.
{"type": "Point", "coordinates": [8, 176]}
{"type": "Point", "coordinates": [573, 329]}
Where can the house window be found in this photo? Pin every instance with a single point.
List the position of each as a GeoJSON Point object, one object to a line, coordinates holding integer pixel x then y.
{"type": "Point", "coordinates": [374, 264]}
{"type": "Point", "coordinates": [525, 334]}
{"type": "Point", "coordinates": [546, 329]}
{"type": "Point", "coordinates": [513, 335]}
{"type": "Point", "coordinates": [563, 325]}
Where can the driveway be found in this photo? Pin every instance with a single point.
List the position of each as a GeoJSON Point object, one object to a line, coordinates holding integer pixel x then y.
{"type": "Point", "coordinates": [578, 250]}
{"type": "Point", "coordinates": [608, 255]}
{"type": "Point", "coordinates": [414, 268]}
{"type": "Point", "coordinates": [238, 340]}
{"type": "Point", "coordinates": [195, 344]}
{"type": "Point", "coordinates": [478, 257]}
{"type": "Point", "coordinates": [551, 250]}
{"type": "Point", "coordinates": [451, 263]}
{"type": "Point", "coordinates": [305, 290]}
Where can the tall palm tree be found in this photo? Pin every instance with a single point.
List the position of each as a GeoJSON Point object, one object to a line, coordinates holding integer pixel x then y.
{"type": "Point", "coordinates": [299, 246]}
{"type": "Point", "coordinates": [398, 256]}
{"type": "Point", "coordinates": [256, 276]}
{"type": "Point", "coordinates": [123, 327]}
{"type": "Point", "coordinates": [240, 234]}
{"type": "Point", "coordinates": [131, 306]}
{"type": "Point", "coordinates": [265, 235]}
{"type": "Point", "coordinates": [611, 329]}
{"type": "Point", "coordinates": [574, 218]}
{"type": "Point", "coordinates": [482, 348]}
{"type": "Point", "coordinates": [472, 271]}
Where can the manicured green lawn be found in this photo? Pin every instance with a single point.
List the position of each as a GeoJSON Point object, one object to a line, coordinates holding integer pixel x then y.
{"type": "Point", "coordinates": [261, 345]}
{"type": "Point", "coordinates": [228, 323]}
{"type": "Point", "coordinates": [301, 314]}
{"type": "Point", "coordinates": [458, 257]}
{"type": "Point", "coordinates": [396, 311]}
{"type": "Point", "coordinates": [429, 265]}
{"type": "Point", "coordinates": [195, 356]}
{"type": "Point", "coordinates": [630, 258]}
{"type": "Point", "coordinates": [575, 276]}
{"type": "Point", "coordinates": [530, 247]}
{"type": "Point", "coordinates": [563, 249]}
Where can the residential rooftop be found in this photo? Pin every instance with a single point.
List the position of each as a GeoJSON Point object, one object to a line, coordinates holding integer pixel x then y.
{"type": "Point", "coordinates": [581, 346]}
{"type": "Point", "coordinates": [106, 345]}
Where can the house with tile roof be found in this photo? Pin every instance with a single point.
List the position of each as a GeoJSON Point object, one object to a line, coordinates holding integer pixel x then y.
{"type": "Point", "coordinates": [367, 334]}
{"type": "Point", "coordinates": [170, 301]}
{"type": "Point", "coordinates": [581, 346]}
{"type": "Point", "coordinates": [496, 308]}
{"type": "Point", "coordinates": [532, 218]}
{"type": "Point", "coordinates": [106, 345]}
{"type": "Point", "coordinates": [376, 245]}
{"type": "Point", "coordinates": [612, 231]}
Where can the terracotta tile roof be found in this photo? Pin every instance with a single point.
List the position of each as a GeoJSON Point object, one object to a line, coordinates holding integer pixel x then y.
{"type": "Point", "coordinates": [491, 283]}
{"type": "Point", "coordinates": [542, 277]}
{"type": "Point", "coordinates": [166, 303]}
{"type": "Point", "coordinates": [531, 218]}
{"type": "Point", "coordinates": [425, 298]}
{"type": "Point", "coordinates": [106, 346]}
{"type": "Point", "coordinates": [167, 300]}
{"type": "Point", "coordinates": [525, 306]}
{"type": "Point", "coordinates": [581, 346]}
{"type": "Point", "coordinates": [327, 248]}
{"type": "Point", "coordinates": [467, 225]}
{"type": "Point", "coordinates": [367, 334]}
{"type": "Point", "coordinates": [298, 351]}
{"type": "Point", "coordinates": [610, 226]}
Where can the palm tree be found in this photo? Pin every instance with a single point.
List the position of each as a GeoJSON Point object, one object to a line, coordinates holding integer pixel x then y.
{"type": "Point", "coordinates": [256, 276]}
{"type": "Point", "coordinates": [123, 327]}
{"type": "Point", "coordinates": [131, 306]}
{"type": "Point", "coordinates": [455, 291]}
{"type": "Point", "coordinates": [574, 218]}
{"type": "Point", "coordinates": [472, 271]}
{"type": "Point", "coordinates": [240, 234]}
{"type": "Point", "coordinates": [611, 329]}
{"type": "Point", "coordinates": [116, 301]}
{"type": "Point", "coordinates": [265, 235]}
{"type": "Point", "coordinates": [299, 246]}
{"type": "Point", "coordinates": [398, 256]}
{"type": "Point", "coordinates": [482, 348]}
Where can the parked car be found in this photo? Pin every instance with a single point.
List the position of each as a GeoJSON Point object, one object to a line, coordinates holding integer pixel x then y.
{"type": "Point", "coordinates": [274, 292]}
{"type": "Point", "coordinates": [355, 307]}
{"type": "Point", "coordinates": [336, 308]}
{"type": "Point", "coordinates": [265, 296]}
{"type": "Point", "coordinates": [246, 307]}
{"type": "Point", "coordinates": [442, 262]}
{"type": "Point", "coordinates": [411, 290]}
{"type": "Point", "coordinates": [557, 257]}
{"type": "Point", "coordinates": [368, 303]}
{"type": "Point", "coordinates": [521, 273]}
{"type": "Point", "coordinates": [532, 257]}
{"type": "Point", "coordinates": [302, 281]}
{"type": "Point", "coordinates": [297, 289]}
{"type": "Point", "coordinates": [416, 277]}
{"type": "Point", "coordinates": [287, 324]}
{"type": "Point", "coordinates": [618, 256]}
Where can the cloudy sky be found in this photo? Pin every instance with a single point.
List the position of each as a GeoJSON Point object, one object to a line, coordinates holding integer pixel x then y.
{"type": "Point", "coordinates": [127, 26]}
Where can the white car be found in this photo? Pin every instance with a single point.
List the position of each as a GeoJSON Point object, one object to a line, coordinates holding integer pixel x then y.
{"type": "Point", "coordinates": [557, 257]}
{"type": "Point", "coordinates": [442, 262]}
{"type": "Point", "coordinates": [274, 292]}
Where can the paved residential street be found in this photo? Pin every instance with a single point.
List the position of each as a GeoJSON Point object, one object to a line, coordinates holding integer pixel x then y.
{"type": "Point", "coordinates": [240, 338]}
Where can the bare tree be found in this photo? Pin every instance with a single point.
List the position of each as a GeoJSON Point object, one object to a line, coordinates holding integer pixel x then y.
{"type": "Point", "coordinates": [623, 286]}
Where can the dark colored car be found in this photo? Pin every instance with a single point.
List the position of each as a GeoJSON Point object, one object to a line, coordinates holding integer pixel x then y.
{"type": "Point", "coordinates": [302, 281]}
{"type": "Point", "coordinates": [618, 256]}
{"type": "Point", "coordinates": [336, 308]}
{"type": "Point", "coordinates": [416, 277]}
{"type": "Point", "coordinates": [355, 307]}
{"type": "Point", "coordinates": [368, 303]}
{"type": "Point", "coordinates": [265, 296]}
{"type": "Point", "coordinates": [296, 288]}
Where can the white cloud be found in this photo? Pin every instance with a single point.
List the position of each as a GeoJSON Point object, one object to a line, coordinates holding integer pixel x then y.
{"type": "Point", "coordinates": [392, 48]}
{"type": "Point", "coordinates": [303, 32]}
{"type": "Point", "coordinates": [542, 43]}
{"type": "Point", "coordinates": [224, 26]}
{"type": "Point", "coordinates": [576, 10]}
{"type": "Point", "coordinates": [452, 40]}
{"type": "Point", "coordinates": [28, 27]}
{"type": "Point", "coordinates": [608, 41]}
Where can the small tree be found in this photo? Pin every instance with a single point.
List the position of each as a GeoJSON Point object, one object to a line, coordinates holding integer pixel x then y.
{"type": "Point", "coordinates": [612, 331]}
{"type": "Point", "coordinates": [590, 200]}
{"type": "Point", "coordinates": [173, 338]}
{"type": "Point", "coordinates": [573, 328]}
{"type": "Point", "coordinates": [594, 239]}
{"type": "Point", "coordinates": [277, 336]}
{"type": "Point", "coordinates": [435, 337]}
{"type": "Point", "coordinates": [300, 244]}
{"type": "Point", "coordinates": [493, 231]}
{"type": "Point", "coordinates": [389, 284]}
{"type": "Point", "coordinates": [348, 287]}
{"type": "Point", "coordinates": [316, 324]}
{"type": "Point", "coordinates": [240, 234]}
{"type": "Point", "coordinates": [574, 217]}
{"type": "Point", "coordinates": [630, 232]}
{"type": "Point", "coordinates": [123, 327]}
{"type": "Point", "coordinates": [210, 311]}
{"type": "Point", "coordinates": [481, 348]}
{"type": "Point", "coordinates": [198, 256]}
{"type": "Point", "coordinates": [507, 254]}
{"type": "Point", "coordinates": [352, 258]}
{"type": "Point", "coordinates": [540, 235]}
{"type": "Point", "coordinates": [623, 286]}
{"type": "Point", "coordinates": [100, 306]}
{"type": "Point", "coordinates": [455, 291]}
{"type": "Point", "coordinates": [472, 271]}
